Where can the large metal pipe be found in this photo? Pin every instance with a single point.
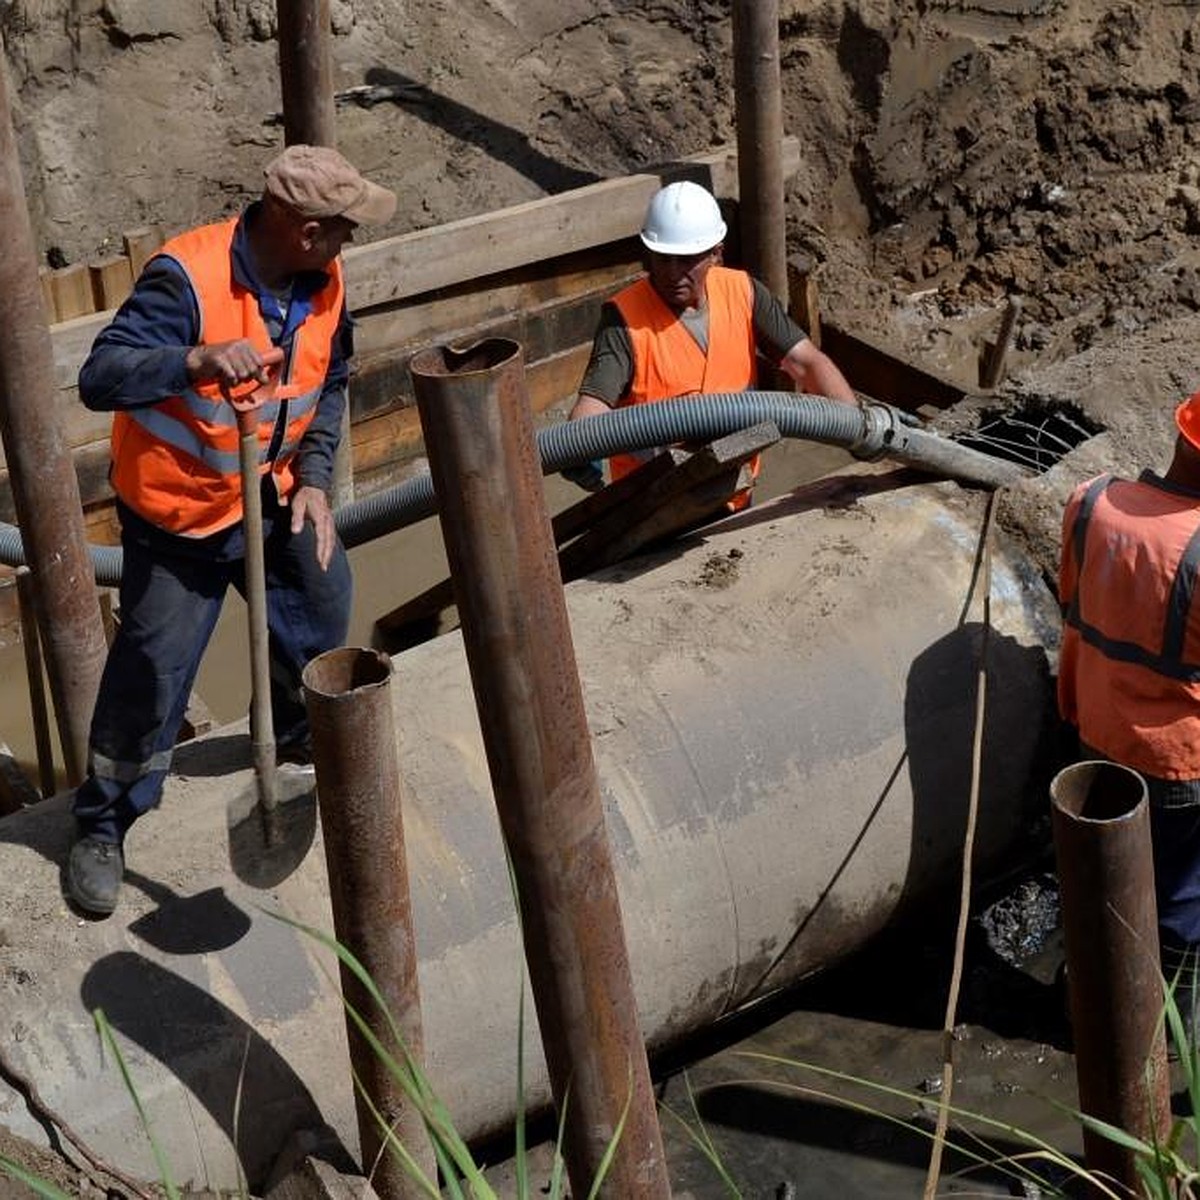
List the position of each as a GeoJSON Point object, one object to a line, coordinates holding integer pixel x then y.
{"type": "Point", "coordinates": [41, 470]}
{"type": "Point", "coordinates": [781, 713]}
{"type": "Point", "coordinates": [759, 115]}
{"type": "Point", "coordinates": [1101, 822]}
{"type": "Point", "coordinates": [483, 456]}
{"type": "Point", "coordinates": [349, 707]}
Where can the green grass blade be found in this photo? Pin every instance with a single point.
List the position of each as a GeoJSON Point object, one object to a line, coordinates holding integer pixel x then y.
{"type": "Point", "coordinates": [109, 1041]}
{"type": "Point", "coordinates": [42, 1187]}
{"type": "Point", "coordinates": [699, 1135]}
{"type": "Point", "coordinates": [611, 1149]}
{"type": "Point", "coordinates": [557, 1181]}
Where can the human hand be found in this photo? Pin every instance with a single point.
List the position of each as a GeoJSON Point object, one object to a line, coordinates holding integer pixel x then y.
{"type": "Point", "coordinates": [239, 368]}
{"type": "Point", "coordinates": [311, 504]}
{"type": "Point", "coordinates": [588, 475]}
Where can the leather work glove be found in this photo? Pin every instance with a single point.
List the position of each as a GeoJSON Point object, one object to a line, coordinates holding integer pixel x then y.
{"type": "Point", "coordinates": [588, 475]}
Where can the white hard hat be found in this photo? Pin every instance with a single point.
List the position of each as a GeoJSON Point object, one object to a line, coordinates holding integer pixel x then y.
{"type": "Point", "coordinates": [683, 218]}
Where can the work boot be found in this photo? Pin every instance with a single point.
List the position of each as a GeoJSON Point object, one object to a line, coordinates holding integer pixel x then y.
{"type": "Point", "coordinates": [94, 873]}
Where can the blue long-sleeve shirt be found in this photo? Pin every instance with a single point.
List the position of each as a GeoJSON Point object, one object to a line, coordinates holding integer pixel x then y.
{"type": "Point", "coordinates": [138, 359]}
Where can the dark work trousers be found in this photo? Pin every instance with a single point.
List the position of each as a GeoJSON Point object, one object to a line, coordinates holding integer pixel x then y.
{"type": "Point", "coordinates": [1175, 832]}
{"type": "Point", "coordinates": [169, 604]}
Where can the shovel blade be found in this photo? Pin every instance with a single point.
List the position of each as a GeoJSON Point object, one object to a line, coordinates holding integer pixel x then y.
{"type": "Point", "coordinates": [266, 845]}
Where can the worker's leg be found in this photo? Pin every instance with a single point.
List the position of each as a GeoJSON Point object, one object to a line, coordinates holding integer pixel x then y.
{"type": "Point", "coordinates": [168, 608]}
{"type": "Point", "coordinates": [308, 612]}
{"type": "Point", "coordinates": [1175, 831]}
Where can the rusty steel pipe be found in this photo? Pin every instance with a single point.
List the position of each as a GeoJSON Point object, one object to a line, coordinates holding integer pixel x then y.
{"type": "Point", "coordinates": [1101, 822]}
{"type": "Point", "coordinates": [305, 36]}
{"type": "Point", "coordinates": [348, 698]}
{"type": "Point", "coordinates": [41, 471]}
{"type": "Point", "coordinates": [483, 458]}
{"type": "Point", "coordinates": [758, 102]}
{"type": "Point", "coordinates": [306, 72]}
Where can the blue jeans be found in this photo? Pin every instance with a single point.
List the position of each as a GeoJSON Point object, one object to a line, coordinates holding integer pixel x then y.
{"type": "Point", "coordinates": [169, 604]}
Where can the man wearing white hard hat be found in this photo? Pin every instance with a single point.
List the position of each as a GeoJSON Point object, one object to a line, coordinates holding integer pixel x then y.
{"type": "Point", "coordinates": [692, 326]}
{"type": "Point", "coordinates": [1129, 672]}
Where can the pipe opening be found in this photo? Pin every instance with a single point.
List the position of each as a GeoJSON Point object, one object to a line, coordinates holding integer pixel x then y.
{"type": "Point", "coordinates": [337, 672]}
{"type": "Point", "coordinates": [468, 359]}
{"type": "Point", "coordinates": [1097, 791]}
{"type": "Point", "coordinates": [1036, 434]}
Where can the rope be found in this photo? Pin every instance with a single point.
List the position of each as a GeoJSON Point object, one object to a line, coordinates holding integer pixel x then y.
{"type": "Point", "coordinates": [964, 902]}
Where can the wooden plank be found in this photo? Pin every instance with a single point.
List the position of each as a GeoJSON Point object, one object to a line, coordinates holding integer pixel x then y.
{"type": "Point", "coordinates": [421, 321]}
{"type": "Point", "coordinates": [412, 263]}
{"type": "Point", "coordinates": [698, 487]}
{"type": "Point", "coordinates": [804, 305]}
{"type": "Point", "coordinates": [111, 281]}
{"type": "Point", "coordinates": [877, 371]}
{"type": "Point", "coordinates": [430, 612]}
{"type": "Point", "coordinates": [47, 295]}
{"type": "Point", "coordinates": [140, 244]}
{"type": "Point", "coordinates": [447, 256]}
{"type": "Point", "coordinates": [71, 288]}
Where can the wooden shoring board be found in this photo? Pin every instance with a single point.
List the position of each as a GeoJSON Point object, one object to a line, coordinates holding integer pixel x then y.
{"type": "Point", "coordinates": [476, 248]}
{"type": "Point", "coordinates": [429, 613]}
{"type": "Point", "coordinates": [874, 369]}
{"type": "Point", "coordinates": [672, 492]}
{"type": "Point", "coordinates": [698, 487]}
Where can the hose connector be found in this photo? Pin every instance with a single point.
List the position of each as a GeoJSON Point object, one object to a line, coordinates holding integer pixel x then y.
{"type": "Point", "coordinates": [882, 432]}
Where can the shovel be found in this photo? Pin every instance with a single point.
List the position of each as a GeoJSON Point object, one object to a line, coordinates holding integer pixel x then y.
{"type": "Point", "coordinates": [272, 828]}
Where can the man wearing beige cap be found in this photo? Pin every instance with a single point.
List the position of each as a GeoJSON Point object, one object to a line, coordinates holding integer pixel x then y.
{"type": "Point", "coordinates": [249, 311]}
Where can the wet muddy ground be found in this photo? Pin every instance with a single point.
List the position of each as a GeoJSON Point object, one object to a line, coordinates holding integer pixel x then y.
{"type": "Point", "coordinates": [832, 1089]}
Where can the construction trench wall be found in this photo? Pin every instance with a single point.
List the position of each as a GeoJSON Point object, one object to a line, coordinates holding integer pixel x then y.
{"type": "Point", "coordinates": [781, 711]}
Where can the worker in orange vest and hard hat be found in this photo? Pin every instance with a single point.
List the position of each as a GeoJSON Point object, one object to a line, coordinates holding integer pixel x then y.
{"type": "Point", "coordinates": [691, 326]}
{"type": "Point", "coordinates": [1129, 676]}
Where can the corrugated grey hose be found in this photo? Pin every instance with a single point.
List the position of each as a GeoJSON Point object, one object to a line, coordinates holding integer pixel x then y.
{"type": "Point", "coordinates": [876, 431]}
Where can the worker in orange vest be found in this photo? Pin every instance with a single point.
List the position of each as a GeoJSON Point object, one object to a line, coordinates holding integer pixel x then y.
{"type": "Point", "coordinates": [691, 326]}
{"type": "Point", "coordinates": [1129, 674]}
{"type": "Point", "coordinates": [220, 309]}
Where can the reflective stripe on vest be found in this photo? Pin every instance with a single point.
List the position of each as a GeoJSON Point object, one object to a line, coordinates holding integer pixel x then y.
{"type": "Point", "coordinates": [176, 462]}
{"type": "Point", "coordinates": [667, 361]}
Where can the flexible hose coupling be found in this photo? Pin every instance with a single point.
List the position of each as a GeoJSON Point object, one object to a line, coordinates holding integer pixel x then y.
{"type": "Point", "coordinates": [884, 432]}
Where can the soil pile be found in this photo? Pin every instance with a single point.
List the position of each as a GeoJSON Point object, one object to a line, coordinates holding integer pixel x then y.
{"type": "Point", "coordinates": [955, 151]}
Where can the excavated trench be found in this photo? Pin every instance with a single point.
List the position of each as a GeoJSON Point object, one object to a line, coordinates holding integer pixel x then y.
{"type": "Point", "coordinates": [955, 154]}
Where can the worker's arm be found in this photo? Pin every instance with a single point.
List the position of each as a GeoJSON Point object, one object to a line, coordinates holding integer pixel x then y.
{"type": "Point", "coordinates": [315, 456]}
{"type": "Point", "coordinates": [140, 357]}
{"type": "Point", "coordinates": [588, 406]}
{"type": "Point", "coordinates": [815, 373]}
{"type": "Point", "coordinates": [782, 341]}
{"type": "Point", "coordinates": [605, 381]}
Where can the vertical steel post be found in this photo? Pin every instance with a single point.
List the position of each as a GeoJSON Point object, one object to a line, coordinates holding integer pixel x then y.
{"type": "Point", "coordinates": [1101, 822]}
{"type": "Point", "coordinates": [483, 457]}
{"type": "Point", "coordinates": [310, 118]}
{"type": "Point", "coordinates": [349, 702]}
{"type": "Point", "coordinates": [306, 72]}
{"type": "Point", "coordinates": [41, 470]}
{"type": "Point", "coordinates": [759, 114]}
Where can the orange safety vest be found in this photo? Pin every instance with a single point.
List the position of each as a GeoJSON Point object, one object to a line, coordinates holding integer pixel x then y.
{"type": "Point", "coordinates": [1129, 672]}
{"type": "Point", "coordinates": [668, 363]}
{"type": "Point", "coordinates": [175, 462]}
